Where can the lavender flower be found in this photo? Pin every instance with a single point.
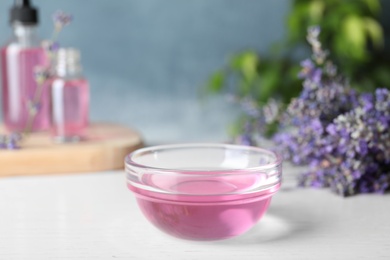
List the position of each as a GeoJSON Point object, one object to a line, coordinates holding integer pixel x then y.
{"type": "Point", "coordinates": [319, 55]}
{"type": "Point", "coordinates": [271, 111]}
{"type": "Point", "coordinates": [41, 74]}
{"type": "Point", "coordinates": [3, 144]}
{"type": "Point", "coordinates": [342, 136]}
{"type": "Point", "coordinates": [309, 70]}
{"type": "Point", "coordinates": [50, 46]}
{"type": "Point", "coordinates": [10, 142]}
{"type": "Point", "coordinates": [313, 33]}
{"type": "Point", "coordinates": [61, 19]}
{"type": "Point", "coordinates": [257, 118]}
{"type": "Point", "coordinates": [250, 107]}
{"type": "Point", "coordinates": [360, 143]}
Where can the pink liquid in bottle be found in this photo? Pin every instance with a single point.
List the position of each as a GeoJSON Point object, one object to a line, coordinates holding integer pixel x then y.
{"type": "Point", "coordinates": [19, 60]}
{"type": "Point", "coordinates": [69, 95]}
{"type": "Point", "coordinates": [70, 105]}
{"type": "Point", "coordinates": [19, 87]}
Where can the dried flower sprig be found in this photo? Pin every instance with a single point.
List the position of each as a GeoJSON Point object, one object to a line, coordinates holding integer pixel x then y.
{"type": "Point", "coordinates": [60, 20]}
{"type": "Point", "coordinates": [10, 142]}
{"type": "Point", "coordinates": [258, 118]}
{"type": "Point", "coordinates": [41, 74]}
{"type": "Point", "coordinates": [343, 136]}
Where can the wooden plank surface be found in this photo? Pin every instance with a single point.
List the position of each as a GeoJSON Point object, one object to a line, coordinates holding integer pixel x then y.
{"type": "Point", "coordinates": [105, 149]}
{"type": "Point", "coordinates": [95, 216]}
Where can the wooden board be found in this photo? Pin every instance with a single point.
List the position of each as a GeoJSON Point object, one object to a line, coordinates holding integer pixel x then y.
{"type": "Point", "coordinates": [105, 149]}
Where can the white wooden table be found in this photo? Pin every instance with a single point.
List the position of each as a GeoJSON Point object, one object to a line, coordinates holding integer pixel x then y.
{"type": "Point", "coordinates": [94, 216]}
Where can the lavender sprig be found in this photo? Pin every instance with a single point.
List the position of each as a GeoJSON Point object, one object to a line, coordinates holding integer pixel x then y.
{"type": "Point", "coordinates": [341, 135]}
{"type": "Point", "coordinates": [42, 74]}
{"type": "Point", "coordinates": [61, 19]}
{"type": "Point", "coordinates": [10, 142]}
{"type": "Point", "coordinates": [257, 118]}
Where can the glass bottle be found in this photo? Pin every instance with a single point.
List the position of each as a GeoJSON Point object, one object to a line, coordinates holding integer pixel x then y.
{"type": "Point", "coordinates": [19, 59]}
{"type": "Point", "coordinates": [69, 93]}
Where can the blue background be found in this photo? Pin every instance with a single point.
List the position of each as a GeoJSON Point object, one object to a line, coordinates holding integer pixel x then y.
{"type": "Point", "coordinates": [147, 60]}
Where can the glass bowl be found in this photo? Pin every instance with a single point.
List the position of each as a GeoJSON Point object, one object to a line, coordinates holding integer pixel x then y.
{"type": "Point", "coordinates": [203, 191]}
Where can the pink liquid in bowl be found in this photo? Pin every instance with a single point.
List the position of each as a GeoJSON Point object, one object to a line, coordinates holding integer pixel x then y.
{"type": "Point", "coordinates": [203, 191]}
{"type": "Point", "coordinates": [204, 207]}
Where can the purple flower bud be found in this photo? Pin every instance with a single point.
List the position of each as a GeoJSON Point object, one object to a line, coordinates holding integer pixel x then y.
{"type": "Point", "coordinates": [316, 76]}
{"type": "Point", "coordinates": [331, 129]}
{"type": "Point", "coordinates": [382, 94]}
{"type": "Point", "coordinates": [61, 19]}
{"type": "Point", "coordinates": [314, 31]}
{"type": "Point", "coordinates": [54, 47]}
{"type": "Point", "coordinates": [3, 145]}
{"type": "Point", "coordinates": [12, 145]}
{"type": "Point", "coordinates": [363, 147]}
{"type": "Point", "coordinates": [307, 64]}
{"type": "Point", "coordinates": [245, 140]}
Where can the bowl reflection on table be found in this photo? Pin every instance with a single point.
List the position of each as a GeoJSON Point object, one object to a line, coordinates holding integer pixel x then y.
{"type": "Point", "coordinates": [203, 191]}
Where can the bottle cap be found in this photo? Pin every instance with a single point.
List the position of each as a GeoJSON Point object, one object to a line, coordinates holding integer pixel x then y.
{"type": "Point", "coordinates": [68, 55]}
{"type": "Point", "coordinates": [67, 62]}
{"type": "Point", "coordinates": [24, 13]}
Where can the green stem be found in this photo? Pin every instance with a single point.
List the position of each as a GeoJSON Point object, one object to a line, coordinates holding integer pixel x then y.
{"type": "Point", "coordinates": [55, 34]}
{"type": "Point", "coordinates": [33, 110]}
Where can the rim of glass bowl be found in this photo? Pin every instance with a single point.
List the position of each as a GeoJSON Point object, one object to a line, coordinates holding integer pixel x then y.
{"type": "Point", "coordinates": [133, 167]}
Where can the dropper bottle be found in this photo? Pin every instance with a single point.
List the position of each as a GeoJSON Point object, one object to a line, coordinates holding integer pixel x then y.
{"type": "Point", "coordinates": [19, 59]}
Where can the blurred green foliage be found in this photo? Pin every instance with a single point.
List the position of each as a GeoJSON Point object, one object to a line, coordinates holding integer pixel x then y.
{"type": "Point", "coordinates": [350, 29]}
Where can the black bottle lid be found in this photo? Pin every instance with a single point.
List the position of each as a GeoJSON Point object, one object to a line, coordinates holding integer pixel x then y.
{"type": "Point", "coordinates": [24, 13]}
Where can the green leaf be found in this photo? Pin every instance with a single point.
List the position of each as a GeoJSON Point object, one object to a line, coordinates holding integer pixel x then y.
{"type": "Point", "coordinates": [353, 28]}
{"type": "Point", "coordinates": [246, 63]}
{"type": "Point", "coordinates": [216, 82]}
{"type": "Point", "coordinates": [269, 80]}
{"type": "Point", "coordinates": [249, 68]}
{"type": "Point", "coordinates": [373, 5]}
{"type": "Point", "coordinates": [383, 76]}
{"type": "Point", "coordinates": [316, 10]}
{"type": "Point", "coordinates": [236, 128]}
{"type": "Point", "coordinates": [238, 60]}
{"type": "Point", "coordinates": [244, 87]}
{"type": "Point", "coordinates": [271, 129]}
{"type": "Point", "coordinates": [296, 21]}
{"type": "Point", "coordinates": [353, 31]}
{"type": "Point", "coordinates": [374, 31]}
